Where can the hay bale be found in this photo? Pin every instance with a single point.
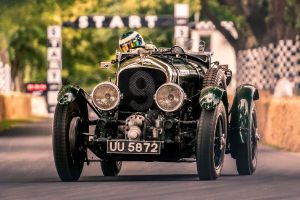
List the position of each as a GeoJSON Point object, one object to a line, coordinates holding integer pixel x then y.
{"type": "Point", "coordinates": [283, 129]}
{"type": "Point", "coordinates": [15, 105]}
{"type": "Point", "coordinates": [262, 110]}
{"type": "Point", "coordinates": [2, 108]}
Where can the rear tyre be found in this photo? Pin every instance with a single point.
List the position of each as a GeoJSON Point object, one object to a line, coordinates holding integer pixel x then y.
{"type": "Point", "coordinates": [111, 168]}
{"type": "Point", "coordinates": [246, 160]}
{"type": "Point", "coordinates": [211, 143]}
{"type": "Point", "coordinates": [68, 150]}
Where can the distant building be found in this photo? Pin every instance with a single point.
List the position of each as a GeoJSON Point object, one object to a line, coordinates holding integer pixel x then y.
{"type": "Point", "coordinates": [215, 42]}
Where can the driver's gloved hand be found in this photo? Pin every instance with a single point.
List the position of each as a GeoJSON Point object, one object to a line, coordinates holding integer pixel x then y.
{"type": "Point", "coordinates": [228, 75]}
{"type": "Point", "coordinates": [227, 72]}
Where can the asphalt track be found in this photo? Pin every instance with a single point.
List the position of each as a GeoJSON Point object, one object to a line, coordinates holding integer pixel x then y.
{"type": "Point", "coordinates": [27, 172]}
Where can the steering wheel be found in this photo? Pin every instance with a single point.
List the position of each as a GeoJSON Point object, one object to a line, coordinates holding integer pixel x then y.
{"type": "Point", "coordinates": [177, 50]}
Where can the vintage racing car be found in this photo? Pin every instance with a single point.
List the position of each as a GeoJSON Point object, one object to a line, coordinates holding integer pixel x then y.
{"type": "Point", "coordinates": [165, 104]}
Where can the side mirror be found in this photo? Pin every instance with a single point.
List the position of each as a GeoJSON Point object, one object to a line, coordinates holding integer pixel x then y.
{"type": "Point", "coordinates": [105, 64]}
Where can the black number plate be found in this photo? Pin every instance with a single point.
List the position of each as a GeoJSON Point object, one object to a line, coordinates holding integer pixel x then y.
{"type": "Point", "coordinates": [133, 147]}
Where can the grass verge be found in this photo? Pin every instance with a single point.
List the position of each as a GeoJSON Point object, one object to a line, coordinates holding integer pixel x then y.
{"type": "Point", "coordinates": [9, 123]}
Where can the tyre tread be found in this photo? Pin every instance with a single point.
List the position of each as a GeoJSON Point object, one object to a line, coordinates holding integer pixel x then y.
{"type": "Point", "coordinates": [65, 169]}
{"type": "Point", "coordinates": [214, 77]}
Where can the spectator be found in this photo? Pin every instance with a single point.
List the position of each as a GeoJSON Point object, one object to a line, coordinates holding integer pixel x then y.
{"type": "Point", "coordinates": [284, 87]}
{"type": "Point", "coordinates": [277, 78]}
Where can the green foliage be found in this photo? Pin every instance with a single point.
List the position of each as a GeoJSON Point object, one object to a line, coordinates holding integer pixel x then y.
{"type": "Point", "coordinates": [292, 15]}
{"type": "Point", "coordinates": [26, 50]}
{"type": "Point", "coordinates": [226, 13]}
{"type": "Point", "coordinates": [258, 22]}
{"type": "Point", "coordinates": [23, 26]}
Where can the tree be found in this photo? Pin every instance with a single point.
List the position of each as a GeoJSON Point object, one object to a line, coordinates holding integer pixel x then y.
{"type": "Point", "coordinates": [24, 51]}
{"type": "Point", "coordinates": [258, 22]}
{"type": "Point", "coordinates": [23, 33]}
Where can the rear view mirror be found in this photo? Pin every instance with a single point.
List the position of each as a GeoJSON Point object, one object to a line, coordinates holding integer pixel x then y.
{"type": "Point", "coordinates": [105, 64]}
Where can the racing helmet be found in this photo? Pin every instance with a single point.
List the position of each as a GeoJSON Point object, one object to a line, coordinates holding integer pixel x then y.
{"type": "Point", "coordinates": [130, 40]}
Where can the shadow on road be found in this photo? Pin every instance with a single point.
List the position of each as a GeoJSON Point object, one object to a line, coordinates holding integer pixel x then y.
{"type": "Point", "coordinates": [160, 177]}
{"type": "Point", "coordinates": [123, 178]}
{"type": "Point", "coordinates": [135, 178]}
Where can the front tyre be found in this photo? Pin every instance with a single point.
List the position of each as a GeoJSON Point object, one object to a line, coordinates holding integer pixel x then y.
{"type": "Point", "coordinates": [246, 160]}
{"type": "Point", "coordinates": [68, 150]}
{"type": "Point", "coordinates": [111, 168]}
{"type": "Point", "coordinates": [211, 142]}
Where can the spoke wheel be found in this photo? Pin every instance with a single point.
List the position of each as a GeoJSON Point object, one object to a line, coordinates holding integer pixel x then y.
{"type": "Point", "coordinates": [111, 168]}
{"type": "Point", "coordinates": [211, 143]}
{"type": "Point", "coordinates": [246, 160]}
{"type": "Point", "coordinates": [68, 150]}
{"type": "Point", "coordinates": [219, 145]}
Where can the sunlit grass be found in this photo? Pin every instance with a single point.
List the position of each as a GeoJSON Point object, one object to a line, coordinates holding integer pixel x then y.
{"type": "Point", "coordinates": [9, 123]}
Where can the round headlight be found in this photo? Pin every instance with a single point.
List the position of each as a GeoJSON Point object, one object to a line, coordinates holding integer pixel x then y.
{"type": "Point", "coordinates": [106, 96]}
{"type": "Point", "coordinates": [169, 97]}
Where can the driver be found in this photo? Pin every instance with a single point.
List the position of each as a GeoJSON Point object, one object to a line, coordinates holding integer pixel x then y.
{"type": "Point", "coordinates": [131, 40]}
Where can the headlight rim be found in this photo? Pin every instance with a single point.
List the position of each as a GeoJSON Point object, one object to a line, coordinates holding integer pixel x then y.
{"type": "Point", "coordinates": [183, 94]}
{"type": "Point", "coordinates": [118, 96]}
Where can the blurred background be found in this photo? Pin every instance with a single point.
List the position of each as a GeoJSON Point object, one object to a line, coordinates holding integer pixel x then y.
{"type": "Point", "coordinates": [258, 39]}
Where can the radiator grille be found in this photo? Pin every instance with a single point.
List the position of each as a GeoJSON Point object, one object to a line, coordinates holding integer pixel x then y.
{"type": "Point", "coordinates": [138, 86]}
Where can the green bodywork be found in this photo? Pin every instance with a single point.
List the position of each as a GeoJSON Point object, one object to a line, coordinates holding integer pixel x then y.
{"type": "Point", "coordinates": [243, 101]}
{"type": "Point", "coordinates": [210, 97]}
{"type": "Point", "coordinates": [68, 94]}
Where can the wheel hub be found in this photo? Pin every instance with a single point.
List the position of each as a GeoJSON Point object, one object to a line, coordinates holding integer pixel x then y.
{"type": "Point", "coordinates": [74, 133]}
{"type": "Point", "coordinates": [222, 141]}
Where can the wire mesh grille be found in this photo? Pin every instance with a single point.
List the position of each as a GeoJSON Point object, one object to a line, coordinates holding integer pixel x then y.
{"type": "Point", "coordinates": [138, 86]}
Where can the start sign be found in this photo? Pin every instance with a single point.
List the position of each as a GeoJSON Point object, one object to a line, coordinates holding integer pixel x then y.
{"type": "Point", "coordinates": [150, 21]}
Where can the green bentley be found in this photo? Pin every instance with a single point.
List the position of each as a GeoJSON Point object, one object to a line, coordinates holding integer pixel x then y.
{"type": "Point", "coordinates": [165, 105]}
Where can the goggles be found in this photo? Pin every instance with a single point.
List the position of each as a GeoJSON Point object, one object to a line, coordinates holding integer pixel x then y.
{"type": "Point", "coordinates": [135, 43]}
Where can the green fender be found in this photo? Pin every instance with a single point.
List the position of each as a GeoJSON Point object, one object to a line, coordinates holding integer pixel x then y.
{"type": "Point", "coordinates": [245, 95]}
{"type": "Point", "coordinates": [68, 94]}
{"type": "Point", "coordinates": [211, 96]}
{"type": "Point", "coordinates": [71, 93]}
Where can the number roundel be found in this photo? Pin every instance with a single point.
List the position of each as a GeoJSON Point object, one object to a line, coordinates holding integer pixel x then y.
{"type": "Point", "coordinates": [142, 87]}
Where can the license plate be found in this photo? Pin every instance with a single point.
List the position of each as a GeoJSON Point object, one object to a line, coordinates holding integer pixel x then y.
{"type": "Point", "coordinates": [133, 147]}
